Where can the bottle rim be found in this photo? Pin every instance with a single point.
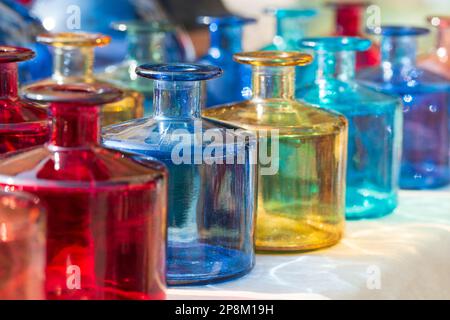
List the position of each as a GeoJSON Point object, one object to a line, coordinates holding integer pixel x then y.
{"type": "Point", "coordinates": [274, 58]}
{"type": "Point", "coordinates": [143, 26]}
{"type": "Point", "coordinates": [335, 44]}
{"type": "Point", "coordinates": [439, 21]}
{"type": "Point", "coordinates": [74, 39]}
{"type": "Point", "coordinates": [397, 31]}
{"type": "Point", "coordinates": [291, 12]}
{"type": "Point", "coordinates": [15, 54]}
{"type": "Point", "coordinates": [84, 94]}
{"type": "Point", "coordinates": [178, 71]}
{"type": "Point", "coordinates": [225, 20]}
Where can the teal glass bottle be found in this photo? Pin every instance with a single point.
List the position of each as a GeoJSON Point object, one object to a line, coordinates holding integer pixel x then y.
{"type": "Point", "coordinates": [146, 44]}
{"type": "Point", "coordinates": [375, 125]}
{"type": "Point", "coordinates": [226, 40]}
{"type": "Point", "coordinates": [212, 183]}
{"type": "Point", "coordinates": [292, 24]}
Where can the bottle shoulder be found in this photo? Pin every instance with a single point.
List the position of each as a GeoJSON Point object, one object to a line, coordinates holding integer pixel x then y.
{"type": "Point", "coordinates": [93, 167]}
{"type": "Point", "coordinates": [19, 114]}
{"type": "Point", "coordinates": [414, 80]}
{"type": "Point", "coordinates": [158, 137]}
{"type": "Point", "coordinates": [348, 97]}
{"type": "Point", "coordinates": [288, 116]}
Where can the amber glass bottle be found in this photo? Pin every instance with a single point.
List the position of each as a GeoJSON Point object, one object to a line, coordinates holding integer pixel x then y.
{"type": "Point", "coordinates": [301, 197]}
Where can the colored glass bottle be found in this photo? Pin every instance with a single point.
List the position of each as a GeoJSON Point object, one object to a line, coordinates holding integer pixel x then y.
{"type": "Point", "coordinates": [226, 40]}
{"type": "Point", "coordinates": [146, 42]}
{"type": "Point", "coordinates": [375, 125]}
{"type": "Point", "coordinates": [212, 194]}
{"type": "Point", "coordinates": [96, 17]}
{"type": "Point", "coordinates": [292, 25]}
{"type": "Point", "coordinates": [425, 95]}
{"type": "Point", "coordinates": [438, 61]}
{"type": "Point", "coordinates": [73, 62]}
{"type": "Point", "coordinates": [19, 28]}
{"type": "Point", "coordinates": [349, 20]}
{"type": "Point", "coordinates": [105, 211]}
{"type": "Point", "coordinates": [301, 197]}
{"type": "Point", "coordinates": [22, 124]}
{"type": "Point", "coordinates": [22, 247]}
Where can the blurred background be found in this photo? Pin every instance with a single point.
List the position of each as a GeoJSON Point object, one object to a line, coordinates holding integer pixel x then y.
{"type": "Point", "coordinates": [97, 15]}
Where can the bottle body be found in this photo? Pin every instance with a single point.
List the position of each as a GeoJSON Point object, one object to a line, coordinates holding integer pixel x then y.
{"type": "Point", "coordinates": [374, 146]}
{"type": "Point", "coordinates": [375, 125]}
{"type": "Point", "coordinates": [301, 204]}
{"type": "Point", "coordinates": [233, 86]}
{"type": "Point", "coordinates": [104, 240]}
{"type": "Point", "coordinates": [426, 98]}
{"type": "Point", "coordinates": [211, 202]}
{"type": "Point", "coordinates": [106, 214]}
{"type": "Point", "coordinates": [225, 40]}
{"type": "Point", "coordinates": [22, 247]}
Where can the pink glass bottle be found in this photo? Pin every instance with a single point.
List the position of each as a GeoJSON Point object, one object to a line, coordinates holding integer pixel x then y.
{"type": "Point", "coordinates": [22, 247]}
{"type": "Point", "coordinates": [349, 22]}
{"type": "Point", "coordinates": [438, 61]}
{"type": "Point", "coordinates": [106, 218]}
{"type": "Point", "coordinates": [22, 124]}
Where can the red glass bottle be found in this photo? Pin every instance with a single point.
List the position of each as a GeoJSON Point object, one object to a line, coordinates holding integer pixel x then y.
{"type": "Point", "coordinates": [106, 219]}
{"type": "Point", "coordinates": [349, 22]}
{"type": "Point", "coordinates": [22, 124]}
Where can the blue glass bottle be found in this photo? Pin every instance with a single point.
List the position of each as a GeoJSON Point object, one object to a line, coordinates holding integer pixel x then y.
{"type": "Point", "coordinates": [426, 100]}
{"type": "Point", "coordinates": [375, 125]}
{"type": "Point", "coordinates": [96, 16]}
{"type": "Point", "coordinates": [19, 28]}
{"type": "Point", "coordinates": [211, 205]}
{"type": "Point", "coordinates": [292, 24]}
{"type": "Point", "coordinates": [226, 40]}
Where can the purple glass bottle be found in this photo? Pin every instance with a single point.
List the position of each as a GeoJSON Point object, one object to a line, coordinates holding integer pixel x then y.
{"type": "Point", "coordinates": [426, 100]}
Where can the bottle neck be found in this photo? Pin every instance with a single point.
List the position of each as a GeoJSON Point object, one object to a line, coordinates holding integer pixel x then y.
{"type": "Point", "coordinates": [8, 81]}
{"type": "Point", "coordinates": [348, 20]}
{"type": "Point", "coordinates": [273, 82]}
{"type": "Point", "coordinates": [146, 47]}
{"type": "Point", "coordinates": [75, 126]}
{"type": "Point", "coordinates": [398, 54]}
{"type": "Point", "coordinates": [291, 28]}
{"type": "Point", "coordinates": [335, 65]}
{"type": "Point", "coordinates": [73, 62]}
{"type": "Point", "coordinates": [443, 45]}
{"type": "Point", "coordinates": [226, 37]}
{"type": "Point", "coordinates": [177, 99]}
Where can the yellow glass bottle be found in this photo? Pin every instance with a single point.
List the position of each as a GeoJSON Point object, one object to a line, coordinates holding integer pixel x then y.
{"type": "Point", "coordinates": [301, 204]}
{"type": "Point", "coordinates": [73, 61]}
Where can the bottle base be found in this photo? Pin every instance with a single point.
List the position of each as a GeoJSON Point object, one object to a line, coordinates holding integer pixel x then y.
{"type": "Point", "coordinates": [201, 264]}
{"type": "Point", "coordinates": [363, 203]}
{"type": "Point", "coordinates": [426, 177]}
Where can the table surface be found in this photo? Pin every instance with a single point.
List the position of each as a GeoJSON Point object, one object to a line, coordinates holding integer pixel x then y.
{"type": "Point", "coordinates": [405, 255]}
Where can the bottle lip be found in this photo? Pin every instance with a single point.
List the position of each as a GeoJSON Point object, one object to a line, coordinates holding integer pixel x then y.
{"type": "Point", "coordinates": [273, 58]}
{"type": "Point", "coordinates": [84, 94]}
{"type": "Point", "coordinates": [74, 39]}
{"type": "Point", "coordinates": [439, 21]}
{"type": "Point", "coordinates": [348, 4]}
{"type": "Point", "coordinates": [225, 20]}
{"type": "Point", "coordinates": [291, 12]}
{"type": "Point", "coordinates": [178, 71]}
{"type": "Point", "coordinates": [398, 31]}
{"type": "Point", "coordinates": [15, 54]}
{"type": "Point", "coordinates": [335, 44]}
{"type": "Point", "coordinates": [143, 26]}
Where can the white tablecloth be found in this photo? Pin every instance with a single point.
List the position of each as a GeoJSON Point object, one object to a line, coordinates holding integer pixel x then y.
{"type": "Point", "coordinates": [405, 255]}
